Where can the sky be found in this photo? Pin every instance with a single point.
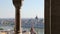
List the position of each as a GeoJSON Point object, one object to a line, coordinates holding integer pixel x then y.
{"type": "Point", "coordinates": [29, 9]}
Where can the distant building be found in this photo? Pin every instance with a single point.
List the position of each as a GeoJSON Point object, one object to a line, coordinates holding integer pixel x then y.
{"type": "Point", "coordinates": [37, 22]}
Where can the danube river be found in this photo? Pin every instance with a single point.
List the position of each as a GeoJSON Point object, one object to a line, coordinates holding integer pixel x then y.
{"type": "Point", "coordinates": [38, 30]}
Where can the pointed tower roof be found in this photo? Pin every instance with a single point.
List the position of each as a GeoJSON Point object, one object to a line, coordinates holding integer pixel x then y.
{"type": "Point", "coordinates": [36, 17]}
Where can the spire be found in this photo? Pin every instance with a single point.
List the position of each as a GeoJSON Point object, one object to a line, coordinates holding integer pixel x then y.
{"type": "Point", "coordinates": [36, 17]}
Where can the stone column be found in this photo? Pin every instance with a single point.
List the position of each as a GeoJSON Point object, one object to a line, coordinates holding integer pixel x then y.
{"type": "Point", "coordinates": [17, 4]}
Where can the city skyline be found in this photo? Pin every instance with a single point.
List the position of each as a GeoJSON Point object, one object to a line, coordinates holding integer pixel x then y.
{"type": "Point", "coordinates": [29, 9]}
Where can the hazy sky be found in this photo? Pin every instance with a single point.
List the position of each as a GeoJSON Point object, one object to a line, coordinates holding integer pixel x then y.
{"type": "Point", "coordinates": [30, 8]}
